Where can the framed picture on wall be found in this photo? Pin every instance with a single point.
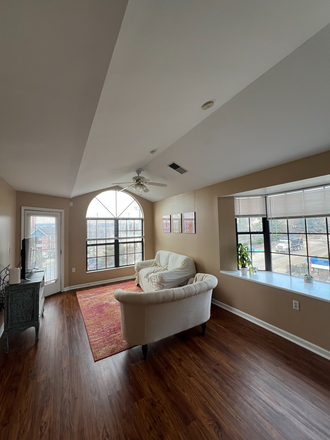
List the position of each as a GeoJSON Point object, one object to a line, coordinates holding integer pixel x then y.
{"type": "Point", "coordinates": [166, 223]}
{"type": "Point", "coordinates": [189, 223]}
{"type": "Point", "coordinates": [176, 223]}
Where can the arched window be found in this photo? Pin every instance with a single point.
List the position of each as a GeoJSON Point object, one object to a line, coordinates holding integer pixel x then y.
{"type": "Point", "coordinates": [114, 226]}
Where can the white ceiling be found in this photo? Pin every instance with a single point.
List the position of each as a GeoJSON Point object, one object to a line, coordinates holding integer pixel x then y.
{"type": "Point", "coordinates": [88, 88]}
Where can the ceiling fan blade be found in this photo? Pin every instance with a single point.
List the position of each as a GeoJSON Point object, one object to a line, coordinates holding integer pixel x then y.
{"type": "Point", "coordinates": [156, 184]}
{"type": "Point", "coordinates": [120, 183]}
{"type": "Point", "coordinates": [129, 186]}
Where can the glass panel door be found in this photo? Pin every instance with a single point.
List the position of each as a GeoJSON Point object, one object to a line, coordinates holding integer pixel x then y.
{"type": "Point", "coordinates": [44, 230]}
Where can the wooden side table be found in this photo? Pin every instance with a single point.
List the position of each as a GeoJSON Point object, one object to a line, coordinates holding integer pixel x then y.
{"type": "Point", "coordinates": [24, 304]}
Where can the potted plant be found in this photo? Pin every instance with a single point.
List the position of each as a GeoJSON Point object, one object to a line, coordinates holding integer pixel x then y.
{"type": "Point", "coordinates": [243, 257]}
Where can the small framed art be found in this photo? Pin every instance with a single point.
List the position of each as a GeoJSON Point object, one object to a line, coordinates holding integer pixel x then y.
{"type": "Point", "coordinates": [189, 223]}
{"type": "Point", "coordinates": [176, 223]}
{"type": "Point", "coordinates": [166, 223]}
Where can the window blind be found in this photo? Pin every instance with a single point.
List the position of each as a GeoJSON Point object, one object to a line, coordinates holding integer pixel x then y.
{"type": "Point", "coordinates": [305, 203]}
{"type": "Point", "coordinates": [250, 207]}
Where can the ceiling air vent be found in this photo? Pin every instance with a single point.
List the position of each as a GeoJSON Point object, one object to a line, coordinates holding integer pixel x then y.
{"type": "Point", "coordinates": [177, 168]}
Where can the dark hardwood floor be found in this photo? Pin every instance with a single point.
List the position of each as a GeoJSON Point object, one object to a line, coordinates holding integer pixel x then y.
{"type": "Point", "coordinates": [236, 382]}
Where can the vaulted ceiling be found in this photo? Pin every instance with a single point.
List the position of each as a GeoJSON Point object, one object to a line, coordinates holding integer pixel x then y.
{"type": "Point", "coordinates": [89, 87]}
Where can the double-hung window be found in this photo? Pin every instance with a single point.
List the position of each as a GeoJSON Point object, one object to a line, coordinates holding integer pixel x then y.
{"type": "Point", "coordinates": [114, 231]}
{"type": "Point", "coordinates": [294, 227]}
{"type": "Point", "coordinates": [300, 246]}
{"type": "Point", "coordinates": [250, 232]}
{"type": "Point", "coordinates": [251, 229]}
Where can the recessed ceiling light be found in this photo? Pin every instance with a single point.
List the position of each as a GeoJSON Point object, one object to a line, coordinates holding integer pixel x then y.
{"type": "Point", "coordinates": [208, 105]}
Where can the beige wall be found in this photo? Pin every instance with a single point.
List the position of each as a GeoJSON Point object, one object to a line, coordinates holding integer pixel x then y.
{"type": "Point", "coordinates": [213, 248]}
{"type": "Point", "coordinates": [7, 228]}
{"type": "Point", "coordinates": [77, 242]}
{"type": "Point", "coordinates": [7, 225]}
{"type": "Point", "coordinates": [203, 246]}
{"type": "Point", "coordinates": [41, 201]}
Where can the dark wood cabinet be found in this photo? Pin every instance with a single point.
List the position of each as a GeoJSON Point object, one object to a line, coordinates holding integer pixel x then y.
{"type": "Point", "coordinates": [24, 304]}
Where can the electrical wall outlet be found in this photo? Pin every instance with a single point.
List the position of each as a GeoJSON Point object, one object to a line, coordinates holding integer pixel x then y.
{"type": "Point", "coordinates": [73, 269]}
{"type": "Point", "coordinates": [296, 305]}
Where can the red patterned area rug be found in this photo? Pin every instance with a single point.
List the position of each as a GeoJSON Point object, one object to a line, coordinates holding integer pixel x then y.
{"type": "Point", "coordinates": [101, 313]}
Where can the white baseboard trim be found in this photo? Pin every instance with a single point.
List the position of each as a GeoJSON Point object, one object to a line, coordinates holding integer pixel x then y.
{"type": "Point", "coordinates": [289, 336]}
{"type": "Point", "coordinates": [97, 283]}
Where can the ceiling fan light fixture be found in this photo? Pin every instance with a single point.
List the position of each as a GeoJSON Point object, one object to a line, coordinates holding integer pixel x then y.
{"type": "Point", "coordinates": [139, 183]}
{"type": "Point", "coordinates": [137, 187]}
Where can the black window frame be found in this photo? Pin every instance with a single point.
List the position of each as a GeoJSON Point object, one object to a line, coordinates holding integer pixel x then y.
{"type": "Point", "coordinates": [115, 241]}
{"type": "Point", "coordinates": [308, 255]}
{"type": "Point", "coordinates": [264, 233]}
{"type": "Point", "coordinates": [291, 252]}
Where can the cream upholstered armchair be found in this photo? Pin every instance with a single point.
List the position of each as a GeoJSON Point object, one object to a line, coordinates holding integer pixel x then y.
{"type": "Point", "coordinates": [166, 270]}
{"type": "Point", "coordinates": [147, 317]}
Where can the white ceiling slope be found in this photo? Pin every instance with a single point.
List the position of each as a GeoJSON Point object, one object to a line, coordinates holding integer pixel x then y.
{"type": "Point", "coordinates": [54, 56]}
{"type": "Point", "coordinates": [81, 106]}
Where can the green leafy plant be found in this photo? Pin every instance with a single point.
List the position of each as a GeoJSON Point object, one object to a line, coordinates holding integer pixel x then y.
{"type": "Point", "coordinates": [243, 255]}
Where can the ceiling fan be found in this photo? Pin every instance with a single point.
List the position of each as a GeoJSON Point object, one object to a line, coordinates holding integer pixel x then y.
{"type": "Point", "coordinates": [139, 183]}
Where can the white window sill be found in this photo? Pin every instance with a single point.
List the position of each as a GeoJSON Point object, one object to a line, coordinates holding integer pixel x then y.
{"type": "Point", "coordinates": [316, 290]}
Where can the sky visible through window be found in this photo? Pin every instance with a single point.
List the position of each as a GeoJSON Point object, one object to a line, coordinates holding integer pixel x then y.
{"type": "Point", "coordinates": [114, 204]}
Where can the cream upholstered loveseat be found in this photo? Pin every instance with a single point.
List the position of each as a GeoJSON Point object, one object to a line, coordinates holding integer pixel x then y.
{"type": "Point", "coordinates": [166, 270]}
{"type": "Point", "coordinates": [147, 317]}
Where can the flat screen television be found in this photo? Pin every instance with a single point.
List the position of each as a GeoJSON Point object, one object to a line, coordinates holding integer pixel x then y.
{"type": "Point", "coordinates": [26, 258]}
